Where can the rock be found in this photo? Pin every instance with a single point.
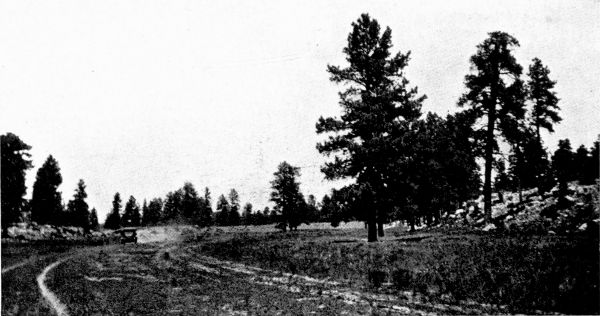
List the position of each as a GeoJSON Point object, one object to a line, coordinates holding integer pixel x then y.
{"type": "Point", "coordinates": [401, 309]}
{"type": "Point", "coordinates": [459, 211]}
{"type": "Point", "coordinates": [499, 210]}
{"type": "Point", "coordinates": [530, 192]}
{"type": "Point", "coordinates": [489, 227]}
{"type": "Point", "coordinates": [583, 227]}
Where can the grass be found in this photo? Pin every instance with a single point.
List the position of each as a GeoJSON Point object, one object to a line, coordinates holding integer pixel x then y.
{"type": "Point", "coordinates": [464, 272]}
{"type": "Point", "coordinates": [527, 274]}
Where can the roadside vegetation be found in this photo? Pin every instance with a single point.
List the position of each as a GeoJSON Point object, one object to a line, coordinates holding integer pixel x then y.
{"type": "Point", "coordinates": [516, 274]}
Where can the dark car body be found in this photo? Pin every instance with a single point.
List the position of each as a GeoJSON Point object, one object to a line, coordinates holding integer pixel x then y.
{"type": "Point", "coordinates": [127, 235]}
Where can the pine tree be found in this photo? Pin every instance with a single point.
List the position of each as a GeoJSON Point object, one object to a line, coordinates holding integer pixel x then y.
{"type": "Point", "coordinates": [502, 181]}
{"type": "Point", "coordinates": [582, 165]}
{"type": "Point", "coordinates": [545, 108]}
{"type": "Point", "coordinates": [594, 162]}
{"type": "Point", "coordinates": [312, 211]}
{"type": "Point", "coordinates": [78, 209]}
{"type": "Point", "coordinates": [93, 219]}
{"type": "Point", "coordinates": [206, 209]}
{"type": "Point", "coordinates": [152, 213]}
{"type": "Point", "coordinates": [46, 201]}
{"type": "Point", "coordinates": [247, 215]}
{"type": "Point", "coordinates": [234, 208]}
{"type": "Point", "coordinates": [190, 203]}
{"type": "Point", "coordinates": [113, 219]}
{"type": "Point", "coordinates": [496, 92]}
{"type": "Point", "coordinates": [131, 214]}
{"type": "Point", "coordinates": [173, 208]}
{"type": "Point", "coordinates": [14, 163]}
{"type": "Point", "coordinates": [562, 163]}
{"type": "Point", "coordinates": [287, 197]}
{"type": "Point", "coordinates": [376, 104]}
{"type": "Point", "coordinates": [223, 210]}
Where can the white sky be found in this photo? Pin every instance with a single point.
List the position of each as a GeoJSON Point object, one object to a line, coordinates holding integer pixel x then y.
{"type": "Point", "coordinates": [140, 96]}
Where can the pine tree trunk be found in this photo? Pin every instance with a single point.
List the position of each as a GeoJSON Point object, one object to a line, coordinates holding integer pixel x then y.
{"type": "Point", "coordinates": [380, 232]}
{"type": "Point", "coordinates": [489, 157]}
{"type": "Point", "coordinates": [372, 226]}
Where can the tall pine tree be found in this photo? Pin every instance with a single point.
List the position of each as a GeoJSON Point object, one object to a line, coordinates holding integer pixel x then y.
{"type": "Point", "coordinates": [46, 200]}
{"type": "Point", "coordinates": [234, 208]}
{"type": "Point", "coordinates": [93, 219]}
{"type": "Point", "coordinates": [206, 209]}
{"type": "Point", "coordinates": [152, 213]}
{"type": "Point", "coordinates": [223, 209]}
{"type": "Point", "coordinates": [113, 219]}
{"type": "Point", "coordinates": [131, 214]}
{"type": "Point", "coordinates": [375, 102]}
{"type": "Point", "coordinates": [287, 196]}
{"type": "Point", "coordinates": [545, 103]}
{"type": "Point", "coordinates": [78, 209]}
{"type": "Point", "coordinates": [14, 163]}
{"type": "Point", "coordinates": [496, 94]}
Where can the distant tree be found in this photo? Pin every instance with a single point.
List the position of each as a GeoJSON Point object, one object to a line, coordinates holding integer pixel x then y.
{"type": "Point", "coordinates": [206, 209]}
{"type": "Point", "coordinates": [496, 92]}
{"type": "Point", "coordinates": [190, 203]}
{"type": "Point", "coordinates": [378, 105]}
{"type": "Point", "coordinates": [144, 221]}
{"type": "Point", "coordinates": [78, 209]}
{"type": "Point", "coordinates": [259, 218]}
{"type": "Point", "coordinates": [287, 197]}
{"type": "Point", "coordinates": [46, 200]}
{"type": "Point", "coordinates": [502, 181]}
{"type": "Point", "coordinates": [438, 172]}
{"type": "Point", "coordinates": [562, 163]}
{"type": "Point", "coordinates": [312, 210]}
{"type": "Point", "coordinates": [173, 208]}
{"type": "Point", "coordinates": [223, 210]}
{"type": "Point", "coordinates": [113, 219]}
{"type": "Point", "coordinates": [594, 162]}
{"type": "Point", "coordinates": [247, 216]}
{"type": "Point", "coordinates": [335, 207]}
{"type": "Point", "coordinates": [93, 220]}
{"type": "Point", "coordinates": [234, 208]}
{"type": "Point", "coordinates": [545, 108]}
{"type": "Point", "coordinates": [14, 163]}
{"type": "Point", "coordinates": [327, 208]}
{"type": "Point", "coordinates": [153, 212]}
{"type": "Point", "coordinates": [270, 217]}
{"type": "Point", "coordinates": [582, 166]}
{"type": "Point", "coordinates": [528, 159]}
{"type": "Point", "coordinates": [131, 214]}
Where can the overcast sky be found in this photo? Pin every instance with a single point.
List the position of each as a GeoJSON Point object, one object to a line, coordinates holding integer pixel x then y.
{"type": "Point", "coordinates": [137, 97]}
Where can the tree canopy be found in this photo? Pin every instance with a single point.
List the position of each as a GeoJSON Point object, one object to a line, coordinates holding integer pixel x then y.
{"type": "Point", "coordinates": [46, 200]}
{"type": "Point", "coordinates": [287, 197]}
{"type": "Point", "coordinates": [14, 163]}
{"type": "Point", "coordinates": [377, 104]}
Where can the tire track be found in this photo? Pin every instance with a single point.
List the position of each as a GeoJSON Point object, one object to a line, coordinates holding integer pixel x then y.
{"type": "Point", "coordinates": [59, 308]}
{"type": "Point", "coordinates": [18, 265]}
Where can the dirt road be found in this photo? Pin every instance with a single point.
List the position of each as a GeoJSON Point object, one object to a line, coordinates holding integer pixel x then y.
{"type": "Point", "coordinates": [162, 275]}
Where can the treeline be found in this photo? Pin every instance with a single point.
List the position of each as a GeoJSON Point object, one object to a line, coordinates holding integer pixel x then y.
{"type": "Point", "coordinates": [411, 167]}
{"type": "Point", "coordinates": [46, 205]}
